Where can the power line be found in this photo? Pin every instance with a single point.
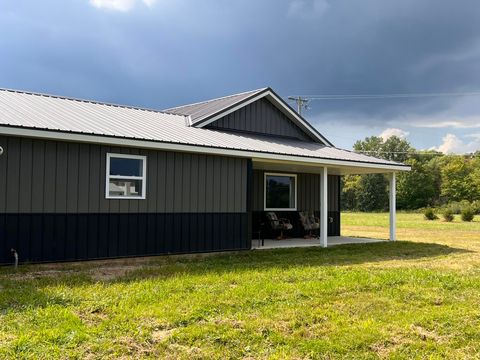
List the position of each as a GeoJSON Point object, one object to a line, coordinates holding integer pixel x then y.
{"type": "Point", "coordinates": [302, 103]}
{"type": "Point", "coordinates": [426, 153]}
{"type": "Point", "coordinates": [430, 152]}
{"type": "Point", "coordinates": [379, 96]}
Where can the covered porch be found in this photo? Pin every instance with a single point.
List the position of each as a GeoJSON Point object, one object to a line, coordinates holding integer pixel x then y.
{"type": "Point", "coordinates": [320, 199]}
{"type": "Point", "coordinates": [309, 242]}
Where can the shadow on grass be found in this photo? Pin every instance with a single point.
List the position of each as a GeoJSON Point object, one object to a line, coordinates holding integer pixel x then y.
{"type": "Point", "coordinates": [17, 299]}
{"type": "Point", "coordinates": [18, 293]}
{"type": "Point", "coordinates": [341, 255]}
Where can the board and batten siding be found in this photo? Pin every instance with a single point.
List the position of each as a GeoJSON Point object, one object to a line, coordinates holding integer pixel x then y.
{"type": "Point", "coordinates": [260, 117]}
{"type": "Point", "coordinates": [41, 176]}
{"type": "Point", "coordinates": [53, 205]}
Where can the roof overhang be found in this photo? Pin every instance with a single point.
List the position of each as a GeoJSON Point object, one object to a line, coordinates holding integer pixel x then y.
{"type": "Point", "coordinates": [271, 159]}
{"type": "Point", "coordinates": [334, 168]}
{"type": "Point", "coordinates": [275, 100]}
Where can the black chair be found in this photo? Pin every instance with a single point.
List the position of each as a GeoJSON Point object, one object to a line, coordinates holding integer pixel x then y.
{"type": "Point", "coordinates": [310, 223]}
{"type": "Point", "coordinates": [279, 224]}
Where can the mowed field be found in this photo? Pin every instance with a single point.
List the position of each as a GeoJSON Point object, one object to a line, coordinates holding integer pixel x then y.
{"type": "Point", "coordinates": [416, 298]}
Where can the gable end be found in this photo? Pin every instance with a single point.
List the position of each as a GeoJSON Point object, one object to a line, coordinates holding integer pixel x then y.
{"type": "Point", "coordinates": [260, 117]}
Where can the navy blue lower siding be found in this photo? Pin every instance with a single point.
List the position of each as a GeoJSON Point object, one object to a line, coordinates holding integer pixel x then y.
{"type": "Point", "coordinates": [66, 237]}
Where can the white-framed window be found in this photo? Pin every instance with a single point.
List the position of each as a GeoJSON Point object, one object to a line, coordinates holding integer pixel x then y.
{"type": "Point", "coordinates": [126, 176]}
{"type": "Point", "coordinates": [280, 191]}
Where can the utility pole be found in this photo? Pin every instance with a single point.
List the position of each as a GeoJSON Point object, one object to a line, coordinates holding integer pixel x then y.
{"type": "Point", "coordinates": [302, 103]}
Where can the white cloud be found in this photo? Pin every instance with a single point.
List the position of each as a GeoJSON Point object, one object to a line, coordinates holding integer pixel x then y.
{"type": "Point", "coordinates": [119, 5]}
{"type": "Point", "coordinates": [452, 144]}
{"type": "Point", "coordinates": [393, 132]}
{"type": "Point", "coordinates": [149, 3]}
{"type": "Point", "coordinates": [307, 8]}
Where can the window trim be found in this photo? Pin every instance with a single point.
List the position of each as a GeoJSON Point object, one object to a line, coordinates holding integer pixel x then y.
{"type": "Point", "coordinates": [265, 191]}
{"type": "Point", "coordinates": [143, 178]}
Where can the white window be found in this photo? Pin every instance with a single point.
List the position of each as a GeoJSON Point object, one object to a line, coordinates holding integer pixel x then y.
{"type": "Point", "coordinates": [126, 176]}
{"type": "Point", "coordinates": [280, 192]}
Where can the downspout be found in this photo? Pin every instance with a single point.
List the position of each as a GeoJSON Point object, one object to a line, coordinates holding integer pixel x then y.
{"type": "Point", "coordinates": [15, 257]}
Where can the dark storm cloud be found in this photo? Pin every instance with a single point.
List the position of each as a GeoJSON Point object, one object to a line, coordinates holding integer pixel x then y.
{"type": "Point", "coordinates": [180, 51]}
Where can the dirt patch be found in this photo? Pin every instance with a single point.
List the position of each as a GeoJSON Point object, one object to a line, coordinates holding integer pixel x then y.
{"type": "Point", "coordinates": [425, 334]}
{"type": "Point", "coordinates": [102, 270]}
{"type": "Point", "coordinates": [236, 324]}
{"type": "Point", "coordinates": [386, 348]}
{"type": "Point", "coordinates": [133, 346]}
{"type": "Point", "coordinates": [6, 338]}
{"type": "Point", "coordinates": [161, 335]}
{"type": "Point", "coordinates": [107, 273]}
{"type": "Point", "coordinates": [31, 275]}
{"type": "Point", "coordinates": [104, 273]}
{"type": "Point", "coordinates": [92, 318]}
{"type": "Point", "coordinates": [192, 352]}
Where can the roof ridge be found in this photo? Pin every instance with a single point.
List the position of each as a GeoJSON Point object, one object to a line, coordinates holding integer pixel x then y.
{"type": "Point", "coordinates": [218, 98]}
{"type": "Point", "coordinates": [95, 102]}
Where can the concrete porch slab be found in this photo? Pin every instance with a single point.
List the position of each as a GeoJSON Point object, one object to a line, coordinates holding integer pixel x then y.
{"type": "Point", "coordinates": [300, 242]}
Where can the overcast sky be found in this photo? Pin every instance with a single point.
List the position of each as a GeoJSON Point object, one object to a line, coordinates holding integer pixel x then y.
{"type": "Point", "coordinates": [162, 53]}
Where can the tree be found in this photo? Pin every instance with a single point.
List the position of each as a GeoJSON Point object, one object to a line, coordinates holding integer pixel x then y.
{"type": "Point", "coordinates": [416, 188]}
{"type": "Point", "coordinates": [394, 148]}
{"type": "Point", "coordinates": [370, 146]}
{"type": "Point", "coordinates": [455, 174]}
{"type": "Point", "coordinates": [473, 179]}
{"type": "Point", "coordinates": [373, 193]}
{"type": "Point", "coordinates": [433, 165]}
{"type": "Point", "coordinates": [350, 192]}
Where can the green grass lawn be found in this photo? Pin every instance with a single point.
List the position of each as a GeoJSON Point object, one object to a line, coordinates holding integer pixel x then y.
{"type": "Point", "coordinates": [416, 298]}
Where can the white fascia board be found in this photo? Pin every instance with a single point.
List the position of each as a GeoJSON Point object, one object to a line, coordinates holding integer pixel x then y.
{"type": "Point", "coordinates": [278, 102]}
{"type": "Point", "coordinates": [156, 145]}
{"type": "Point", "coordinates": [303, 160]}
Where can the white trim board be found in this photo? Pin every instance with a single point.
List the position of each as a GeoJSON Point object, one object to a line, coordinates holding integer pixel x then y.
{"type": "Point", "coordinates": [265, 191]}
{"type": "Point", "coordinates": [146, 144]}
{"type": "Point", "coordinates": [143, 178]}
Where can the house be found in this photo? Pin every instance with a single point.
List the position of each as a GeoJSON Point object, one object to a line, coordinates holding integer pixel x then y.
{"type": "Point", "coordinates": [87, 180]}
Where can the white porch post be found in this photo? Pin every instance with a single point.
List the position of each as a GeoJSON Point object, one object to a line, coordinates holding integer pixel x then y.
{"type": "Point", "coordinates": [393, 211]}
{"type": "Point", "coordinates": [323, 207]}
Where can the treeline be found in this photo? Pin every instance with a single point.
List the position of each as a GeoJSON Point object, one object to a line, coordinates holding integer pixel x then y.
{"type": "Point", "coordinates": [436, 179]}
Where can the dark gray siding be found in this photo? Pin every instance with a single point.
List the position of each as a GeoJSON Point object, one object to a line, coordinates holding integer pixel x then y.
{"type": "Point", "coordinates": [308, 192]}
{"type": "Point", "coordinates": [53, 206]}
{"type": "Point", "coordinates": [260, 117]}
{"type": "Point", "coordinates": [38, 176]}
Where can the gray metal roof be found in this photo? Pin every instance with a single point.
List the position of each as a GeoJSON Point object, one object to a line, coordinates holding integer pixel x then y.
{"type": "Point", "coordinates": [198, 111]}
{"type": "Point", "coordinates": [202, 113]}
{"type": "Point", "coordinates": [45, 112]}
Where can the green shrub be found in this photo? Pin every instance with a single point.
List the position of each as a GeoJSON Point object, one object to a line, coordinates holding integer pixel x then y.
{"type": "Point", "coordinates": [458, 206]}
{"type": "Point", "coordinates": [476, 207]}
{"type": "Point", "coordinates": [429, 214]}
{"type": "Point", "coordinates": [455, 206]}
{"type": "Point", "coordinates": [448, 215]}
{"type": "Point", "coordinates": [467, 214]}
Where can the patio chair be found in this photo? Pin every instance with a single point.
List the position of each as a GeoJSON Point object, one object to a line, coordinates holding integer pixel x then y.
{"type": "Point", "coordinates": [279, 224]}
{"type": "Point", "coordinates": [309, 223]}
